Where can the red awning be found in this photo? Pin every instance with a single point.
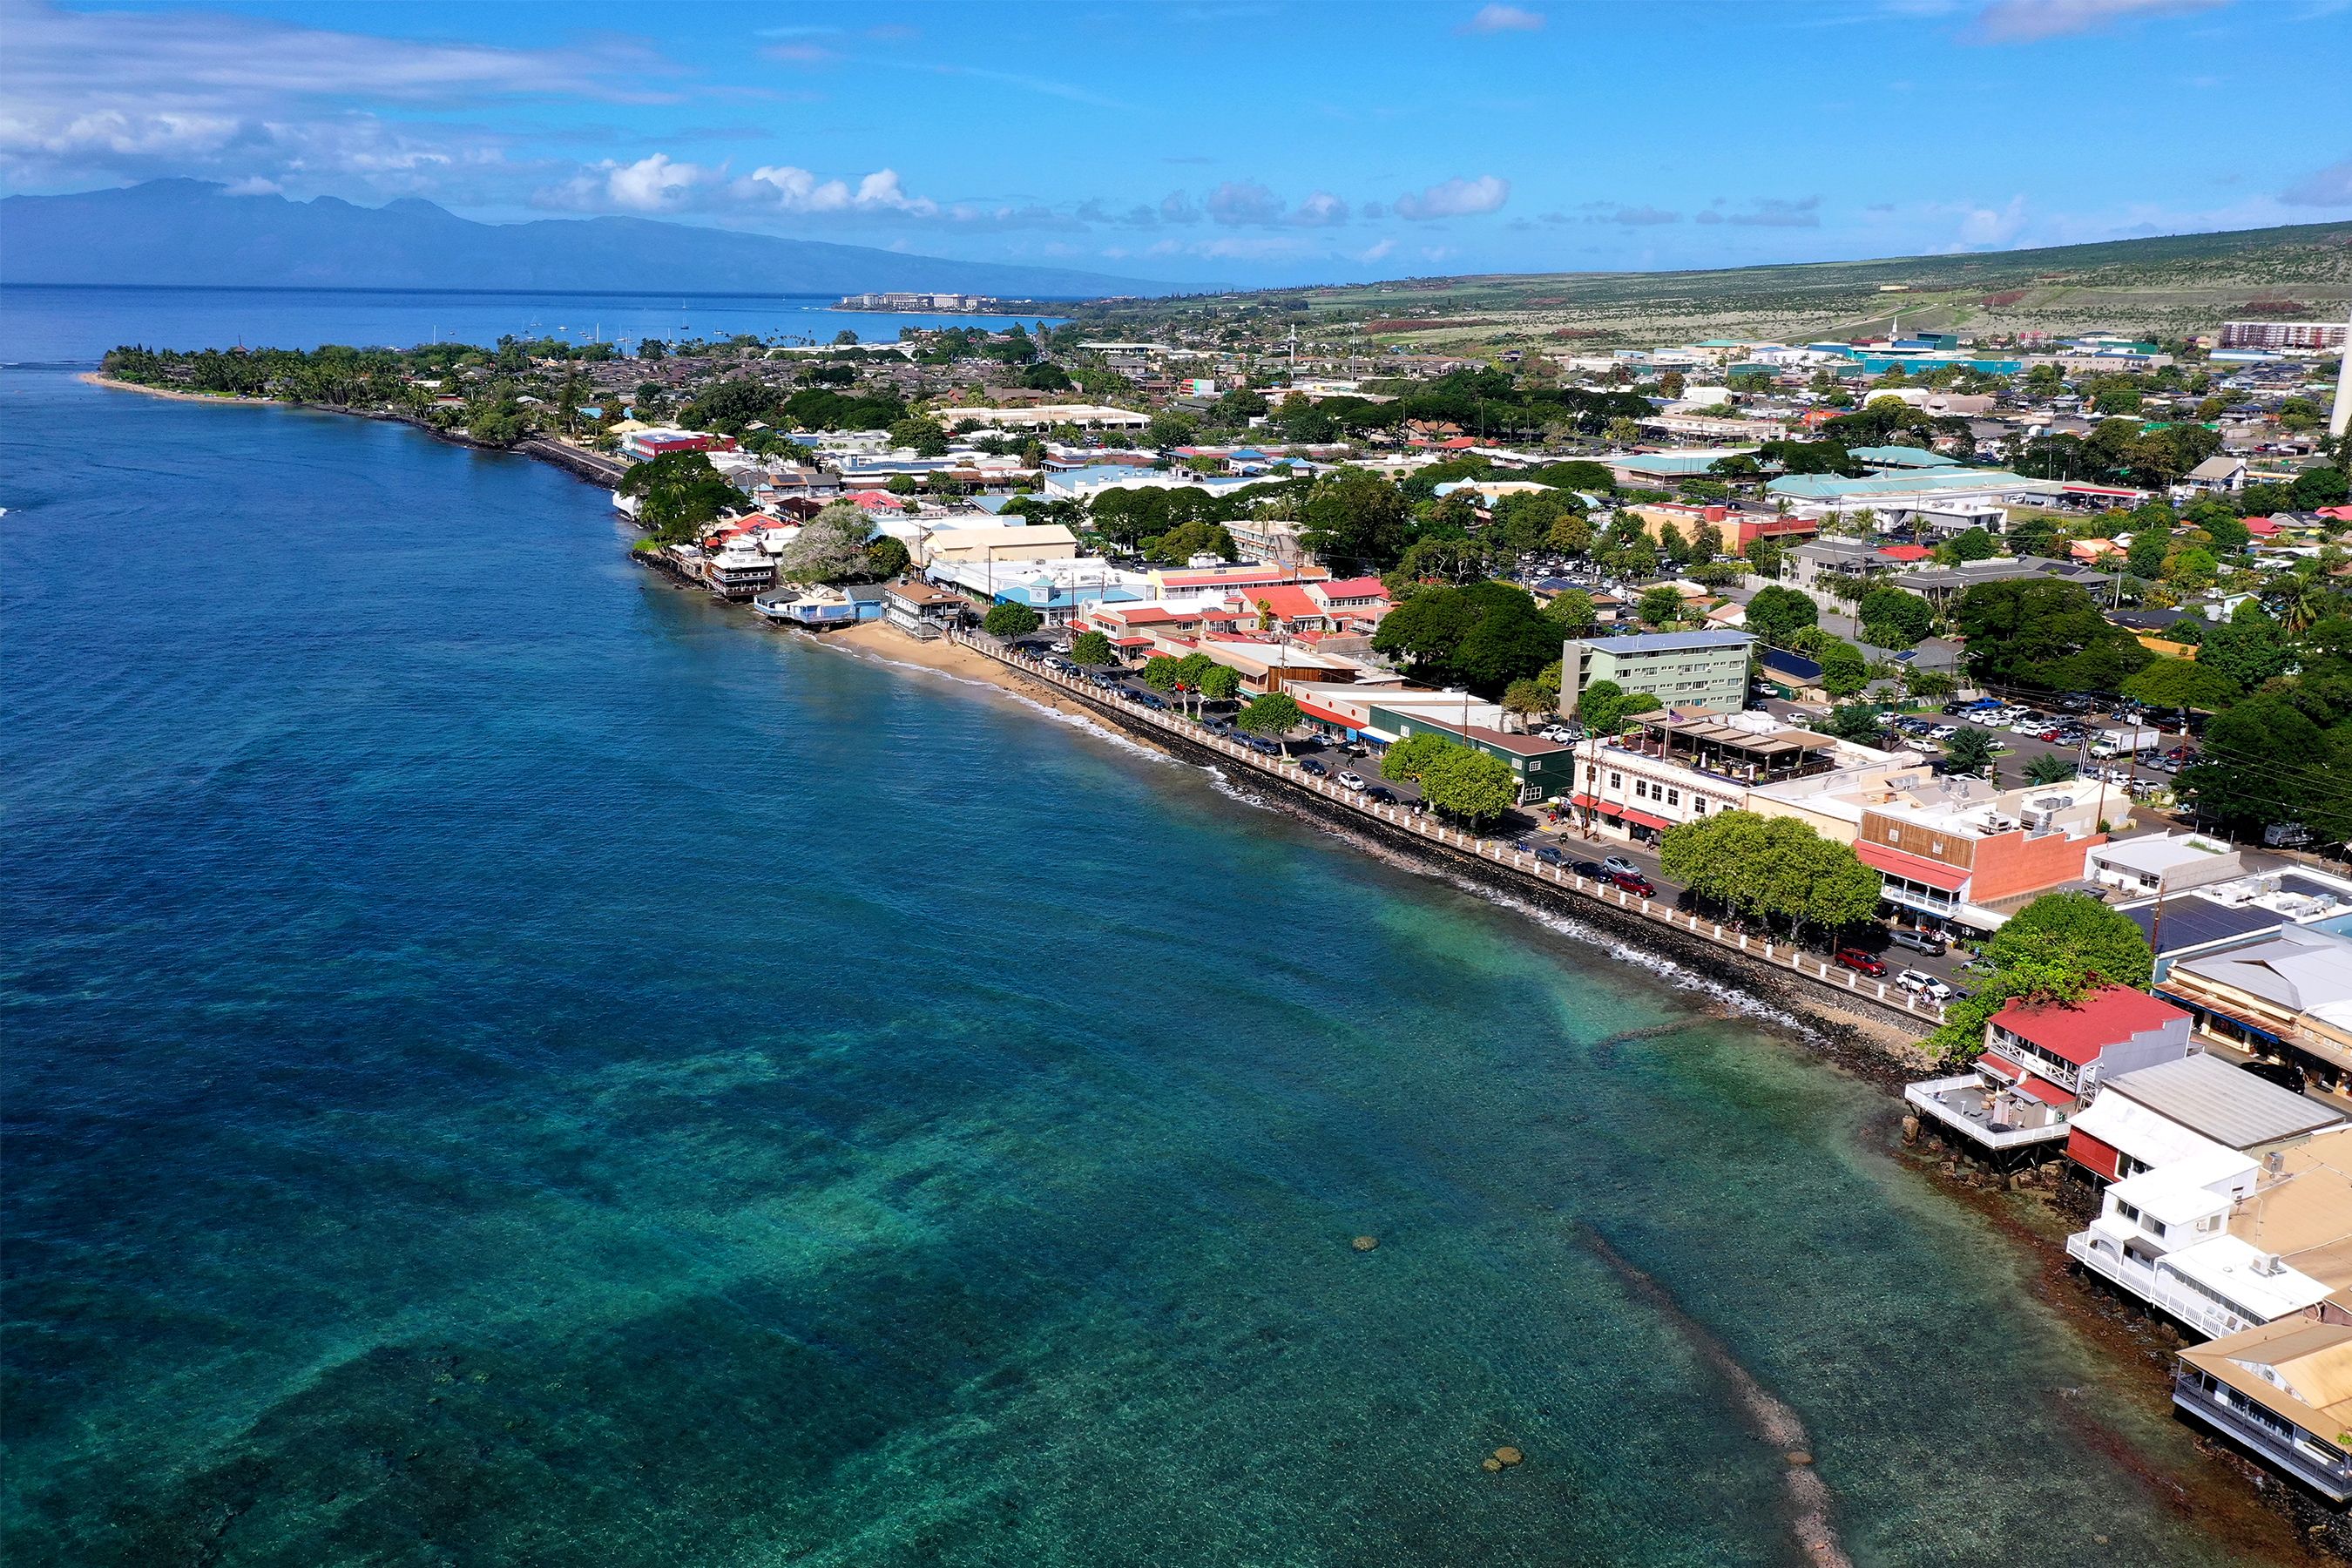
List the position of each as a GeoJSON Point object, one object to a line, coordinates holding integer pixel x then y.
{"type": "Point", "coordinates": [2001, 1068]}
{"type": "Point", "coordinates": [2045, 1091]}
{"type": "Point", "coordinates": [1912, 867]}
{"type": "Point", "coordinates": [1586, 802]}
{"type": "Point", "coordinates": [1644, 819]}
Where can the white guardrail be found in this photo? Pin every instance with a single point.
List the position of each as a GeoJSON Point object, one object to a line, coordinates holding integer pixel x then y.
{"type": "Point", "coordinates": [1498, 851]}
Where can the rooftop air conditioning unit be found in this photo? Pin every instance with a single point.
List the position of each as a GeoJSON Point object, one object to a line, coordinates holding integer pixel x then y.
{"type": "Point", "coordinates": [2274, 1163]}
{"type": "Point", "coordinates": [2269, 1265]}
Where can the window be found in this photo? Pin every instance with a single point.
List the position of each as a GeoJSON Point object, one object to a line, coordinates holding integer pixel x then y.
{"type": "Point", "coordinates": [2127, 1210]}
{"type": "Point", "coordinates": [1674, 797]}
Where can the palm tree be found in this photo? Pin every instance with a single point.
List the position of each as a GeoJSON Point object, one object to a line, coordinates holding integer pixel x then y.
{"type": "Point", "coordinates": [2051, 768]}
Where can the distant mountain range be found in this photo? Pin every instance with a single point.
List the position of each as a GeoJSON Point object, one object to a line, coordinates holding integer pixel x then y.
{"type": "Point", "coordinates": [193, 234]}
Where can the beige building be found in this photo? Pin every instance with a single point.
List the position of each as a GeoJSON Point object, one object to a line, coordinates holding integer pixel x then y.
{"type": "Point", "coordinates": [960, 546]}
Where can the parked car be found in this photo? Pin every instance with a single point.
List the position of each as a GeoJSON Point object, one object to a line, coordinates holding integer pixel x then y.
{"type": "Point", "coordinates": [1551, 854]}
{"type": "Point", "coordinates": [1619, 863]}
{"type": "Point", "coordinates": [1925, 942]}
{"type": "Point", "coordinates": [1853, 958]}
{"type": "Point", "coordinates": [1350, 779]}
{"type": "Point", "coordinates": [1635, 883]}
{"type": "Point", "coordinates": [2286, 1075]}
{"type": "Point", "coordinates": [1591, 870]}
{"type": "Point", "coordinates": [1314, 768]}
{"type": "Point", "coordinates": [1383, 794]}
{"type": "Point", "coordinates": [1943, 732]}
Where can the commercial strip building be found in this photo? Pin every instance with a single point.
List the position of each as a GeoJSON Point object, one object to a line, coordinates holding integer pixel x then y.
{"type": "Point", "coordinates": [1680, 764]}
{"type": "Point", "coordinates": [2287, 995]}
{"type": "Point", "coordinates": [1697, 669]}
{"type": "Point", "coordinates": [1950, 850]}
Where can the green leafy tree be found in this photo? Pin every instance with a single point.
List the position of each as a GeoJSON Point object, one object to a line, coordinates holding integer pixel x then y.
{"type": "Point", "coordinates": [2051, 768]}
{"type": "Point", "coordinates": [1527, 698]}
{"type": "Point", "coordinates": [1160, 673]}
{"type": "Point", "coordinates": [2183, 683]}
{"type": "Point", "coordinates": [2079, 931]}
{"type": "Point", "coordinates": [2266, 763]}
{"type": "Point", "coordinates": [1009, 619]}
{"type": "Point", "coordinates": [1890, 618]}
{"type": "Point", "coordinates": [2248, 649]}
{"type": "Point", "coordinates": [886, 558]}
{"type": "Point", "coordinates": [1273, 715]}
{"type": "Point", "coordinates": [1844, 672]}
{"type": "Point", "coordinates": [925, 436]}
{"type": "Point", "coordinates": [1093, 648]}
{"type": "Point", "coordinates": [1220, 683]}
{"type": "Point", "coordinates": [1974, 544]}
{"type": "Point", "coordinates": [1856, 721]}
{"type": "Point", "coordinates": [1605, 706]}
{"type": "Point", "coordinates": [1469, 783]}
{"type": "Point", "coordinates": [1777, 615]}
{"type": "Point", "coordinates": [1573, 612]}
{"type": "Point", "coordinates": [1403, 761]}
{"type": "Point", "coordinates": [2045, 634]}
{"type": "Point", "coordinates": [1357, 521]}
{"type": "Point", "coordinates": [1484, 635]}
{"type": "Point", "coordinates": [1660, 607]}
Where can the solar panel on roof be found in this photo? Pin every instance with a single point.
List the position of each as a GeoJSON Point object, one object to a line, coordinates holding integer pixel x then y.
{"type": "Point", "coordinates": [2194, 923]}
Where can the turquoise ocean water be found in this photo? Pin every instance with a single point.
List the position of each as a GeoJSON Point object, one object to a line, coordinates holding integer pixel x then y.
{"type": "Point", "coordinates": [505, 1063]}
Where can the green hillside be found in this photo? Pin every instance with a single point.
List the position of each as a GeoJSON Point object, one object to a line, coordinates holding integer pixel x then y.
{"type": "Point", "coordinates": [2165, 287]}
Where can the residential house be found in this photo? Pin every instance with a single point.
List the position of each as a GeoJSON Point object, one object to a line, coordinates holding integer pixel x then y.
{"type": "Point", "coordinates": [921, 611]}
{"type": "Point", "coordinates": [2043, 1062]}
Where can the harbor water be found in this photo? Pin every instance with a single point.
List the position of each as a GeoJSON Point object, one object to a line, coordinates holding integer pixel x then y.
{"type": "Point", "coordinates": [508, 1062]}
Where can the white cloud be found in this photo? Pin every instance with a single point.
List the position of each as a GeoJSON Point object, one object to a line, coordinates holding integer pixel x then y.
{"type": "Point", "coordinates": [1504, 19]}
{"type": "Point", "coordinates": [254, 185]}
{"type": "Point", "coordinates": [95, 97]}
{"type": "Point", "coordinates": [2031, 21]}
{"type": "Point", "coordinates": [2330, 187]}
{"type": "Point", "coordinates": [1993, 226]}
{"type": "Point", "coordinates": [1376, 251]}
{"type": "Point", "coordinates": [1321, 210]}
{"type": "Point", "coordinates": [652, 183]}
{"type": "Point", "coordinates": [1456, 198]}
{"type": "Point", "coordinates": [1243, 201]}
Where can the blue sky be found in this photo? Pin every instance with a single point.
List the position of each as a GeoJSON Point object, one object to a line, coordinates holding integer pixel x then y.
{"type": "Point", "coordinates": [1240, 143]}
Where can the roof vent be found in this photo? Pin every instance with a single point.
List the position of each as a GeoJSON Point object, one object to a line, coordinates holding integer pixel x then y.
{"type": "Point", "coordinates": [2269, 1265]}
{"type": "Point", "coordinates": [2274, 1162]}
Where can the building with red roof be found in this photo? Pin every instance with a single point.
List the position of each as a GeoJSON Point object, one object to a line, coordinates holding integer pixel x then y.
{"type": "Point", "coordinates": [2043, 1061]}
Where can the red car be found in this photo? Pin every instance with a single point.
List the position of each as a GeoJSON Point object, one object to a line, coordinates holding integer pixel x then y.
{"type": "Point", "coordinates": [1855, 959]}
{"type": "Point", "coordinates": [1635, 883]}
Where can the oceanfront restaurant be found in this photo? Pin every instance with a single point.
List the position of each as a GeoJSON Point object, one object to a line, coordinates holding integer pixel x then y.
{"type": "Point", "coordinates": [1699, 739]}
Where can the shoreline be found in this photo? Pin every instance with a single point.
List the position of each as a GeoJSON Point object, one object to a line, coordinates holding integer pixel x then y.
{"type": "Point", "coordinates": [225, 399]}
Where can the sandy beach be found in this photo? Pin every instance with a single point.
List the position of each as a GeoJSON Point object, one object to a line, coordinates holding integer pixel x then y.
{"type": "Point", "coordinates": [92, 378]}
{"type": "Point", "coordinates": [877, 639]}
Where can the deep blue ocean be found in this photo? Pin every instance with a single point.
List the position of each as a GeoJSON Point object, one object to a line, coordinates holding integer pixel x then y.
{"type": "Point", "coordinates": [506, 1062]}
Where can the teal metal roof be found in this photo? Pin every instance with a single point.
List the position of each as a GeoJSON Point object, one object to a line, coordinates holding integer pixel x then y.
{"type": "Point", "coordinates": [1826, 487]}
{"type": "Point", "coordinates": [1903, 457]}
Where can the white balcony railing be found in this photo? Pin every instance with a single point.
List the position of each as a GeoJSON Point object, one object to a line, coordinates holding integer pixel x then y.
{"type": "Point", "coordinates": [1964, 1104]}
{"type": "Point", "coordinates": [2157, 1287]}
